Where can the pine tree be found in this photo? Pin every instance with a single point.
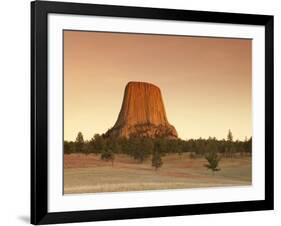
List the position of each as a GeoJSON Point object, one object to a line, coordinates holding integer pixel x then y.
{"type": "Point", "coordinates": [108, 155]}
{"type": "Point", "coordinates": [229, 136]}
{"type": "Point", "coordinates": [79, 142]}
{"type": "Point", "coordinates": [229, 143]}
{"type": "Point", "coordinates": [156, 161]}
{"type": "Point", "coordinates": [213, 161]}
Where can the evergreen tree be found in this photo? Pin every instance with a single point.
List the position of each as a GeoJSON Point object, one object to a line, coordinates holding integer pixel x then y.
{"type": "Point", "coordinates": [248, 146]}
{"type": "Point", "coordinates": [229, 146]}
{"type": "Point", "coordinates": [156, 161]}
{"type": "Point", "coordinates": [229, 136]}
{"type": "Point", "coordinates": [213, 161]}
{"type": "Point", "coordinates": [79, 142]}
{"type": "Point", "coordinates": [67, 147]}
{"type": "Point", "coordinates": [98, 143]}
{"type": "Point", "coordinates": [108, 155]}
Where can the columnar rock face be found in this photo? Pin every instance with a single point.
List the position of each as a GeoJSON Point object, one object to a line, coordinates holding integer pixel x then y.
{"type": "Point", "coordinates": [142, 113]}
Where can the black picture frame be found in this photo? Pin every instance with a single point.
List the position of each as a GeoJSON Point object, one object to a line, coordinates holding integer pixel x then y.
{"type": "Point", "coordinates": [39, 115]}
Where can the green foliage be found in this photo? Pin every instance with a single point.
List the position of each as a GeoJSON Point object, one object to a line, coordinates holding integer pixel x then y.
{"type": "Point", "coordinates": [230, 147]}
{"type": "Point", "coordinates": [79, 138]}
{"type": "Point", "coordinates": [229, 136]}
{"type": "Point", "coordinates": [163, 145]}
{"type": "Point", "coordinates": [69, 147]}
{"type": "Point", "coordinates": [141, 148]}
{"type": "Point", "coordinates": [248, 146]}
{"type": "Point", "coordinates": [97, 143]}
{"type": "Point", "coordinates": [79, 143]}
{"type": "Point", "coordinates": [108, 155]}
{"type": "Point", "coordinates": [156, 161]}
{"type": "Point", "coordinates": [213, 161]}
{"type": "Point", "coordinates": [138, 148]}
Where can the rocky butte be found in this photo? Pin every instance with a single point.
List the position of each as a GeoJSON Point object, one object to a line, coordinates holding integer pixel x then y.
{"type": "Point", "coordinates": [142, 114]}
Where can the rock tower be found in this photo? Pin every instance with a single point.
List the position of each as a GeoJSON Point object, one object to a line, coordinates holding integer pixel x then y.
{"type": "Point", "coordinates": [142, 114]}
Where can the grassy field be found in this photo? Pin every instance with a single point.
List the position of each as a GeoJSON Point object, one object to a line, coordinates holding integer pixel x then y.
{"type": "Point", "coordinates": [89, 174]}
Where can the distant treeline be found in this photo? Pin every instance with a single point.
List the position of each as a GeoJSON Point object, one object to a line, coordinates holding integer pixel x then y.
{"type": "Point", "coordinates": [141, 148]}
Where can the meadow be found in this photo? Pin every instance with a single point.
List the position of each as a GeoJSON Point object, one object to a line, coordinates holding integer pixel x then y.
{"type": "Point", "coordinates": [88, 173]}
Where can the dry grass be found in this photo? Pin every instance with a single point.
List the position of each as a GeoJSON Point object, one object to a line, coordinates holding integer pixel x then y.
{"type": "Point", "coordinates": [89, 174]}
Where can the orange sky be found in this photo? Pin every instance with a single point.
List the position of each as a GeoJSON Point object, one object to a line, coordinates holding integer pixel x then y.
{"type": "Point", "coordinates": [205, 82]}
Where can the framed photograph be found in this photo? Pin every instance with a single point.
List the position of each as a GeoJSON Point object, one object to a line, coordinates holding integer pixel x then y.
{"type": "Point", "coordinates": [145, 112]}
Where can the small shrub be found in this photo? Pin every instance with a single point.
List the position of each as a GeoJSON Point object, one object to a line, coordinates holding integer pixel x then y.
{"type": "Point", "coordinates": [108, 155]}
{"type": "Point", "coordinates": [213, 161]}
